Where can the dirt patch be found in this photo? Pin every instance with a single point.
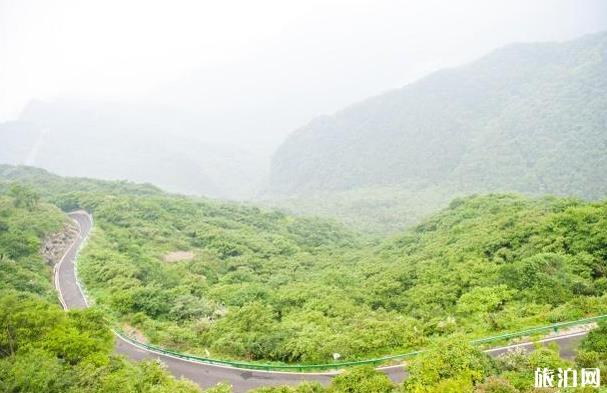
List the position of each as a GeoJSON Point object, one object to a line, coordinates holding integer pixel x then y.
{"type": "Point", "coordinates": [56, 244]}
{"type": "Point", "coordinates": [177, 256]}
{"type": "Point", "coordinates": [134, 333]}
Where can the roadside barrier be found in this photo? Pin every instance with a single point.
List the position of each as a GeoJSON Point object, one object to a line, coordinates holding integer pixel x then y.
{"type": "Point", "coordinates": [555, 327]}
{"type": "Point", "coordinates": [261, 366]}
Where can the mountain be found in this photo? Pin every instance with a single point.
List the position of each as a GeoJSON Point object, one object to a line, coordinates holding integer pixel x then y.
{"type": "Point", "coordinates": [144, 143]}
{"type": "Point", "coordinates": [530, 118]}
{"type": "Point", "coordinates": [210, 131]}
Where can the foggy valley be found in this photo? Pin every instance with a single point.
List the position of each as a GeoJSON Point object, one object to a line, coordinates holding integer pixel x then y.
{"type": "Point", "coordinates": [303, 196]}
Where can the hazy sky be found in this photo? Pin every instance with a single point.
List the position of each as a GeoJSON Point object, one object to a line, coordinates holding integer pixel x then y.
{"type": "Point", "coordinates": [337, 51]}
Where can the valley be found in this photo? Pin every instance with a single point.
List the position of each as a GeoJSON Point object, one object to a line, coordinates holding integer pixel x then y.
{"type": "Point", "coordinates": [263, 295]}
{"type": "Point", "coordinates": [303, 197]}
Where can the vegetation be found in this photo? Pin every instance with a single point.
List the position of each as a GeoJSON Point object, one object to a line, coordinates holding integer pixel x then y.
{"type": "Point", "coordinates": [260, 285]}
{"type": "Point", "coordinates": [50, 186]}
{"type": "Point", "coordinates": [22, 228]}
{"type": "Point", "coordinates": [375, 210]}
{"type": "Point", "coordinates": [526, 118]}
{"type": "Point", "coordinates": [246, 289]}
{"type": "Point", "coordinates": [593, 351]}
{"type": "Point", "coordinates": [42, 348]}
{"type": "Point", "coordinates": [452, 366]}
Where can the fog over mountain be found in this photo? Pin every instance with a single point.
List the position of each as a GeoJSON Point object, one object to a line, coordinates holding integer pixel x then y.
{"type": "Point", "coordinates": [198, 97]}
{"type": "Point", "coordinates": [297, 196]}
{"type": "Point", "coordinates": [119, 141]}
{"type": "Point", "coordinates": [529, 118]}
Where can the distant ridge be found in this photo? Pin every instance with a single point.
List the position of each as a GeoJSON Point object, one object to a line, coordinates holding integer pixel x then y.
{"type": "Point", "coordinates": [527, 118]}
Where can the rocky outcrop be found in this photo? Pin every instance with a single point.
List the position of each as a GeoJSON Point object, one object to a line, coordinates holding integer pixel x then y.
{"type": "Point", "coordinates": [56, 244]}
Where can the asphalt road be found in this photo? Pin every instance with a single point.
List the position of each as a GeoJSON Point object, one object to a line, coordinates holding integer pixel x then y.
{"type": "Point", "coordinates": [206, 375]}
{"type": "Point", "coordinates": [70, 295]}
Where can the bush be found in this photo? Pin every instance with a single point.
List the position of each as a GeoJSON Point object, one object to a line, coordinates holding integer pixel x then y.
{"type": "Point", "coordinates": [361, 380]}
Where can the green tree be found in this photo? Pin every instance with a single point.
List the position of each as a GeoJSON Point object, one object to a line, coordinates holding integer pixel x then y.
{"type": "Point", "coordinates": [361, 380]}
{"type": "Point", "coordinates": [449, 363]}
{"type": "Point", "coordinates": [24, 196]}
{"type": "Point", "coordinates": [593, 350]}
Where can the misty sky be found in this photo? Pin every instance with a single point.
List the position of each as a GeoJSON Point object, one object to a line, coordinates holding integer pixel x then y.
{"type": "Point", "coordinates": [326, 53]}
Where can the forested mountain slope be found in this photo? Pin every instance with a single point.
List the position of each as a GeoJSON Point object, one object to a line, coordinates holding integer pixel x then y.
{"type": "Point", "coordinates": [242, 282]}
{"type": "Point", "coordinates": [43, 348]}
{"type": "Point", "coordinates": [235, 281]}
{"type": "Point", "coordinates": [529, 118]}
{"type": "Point", "coordinates": [265, 286]}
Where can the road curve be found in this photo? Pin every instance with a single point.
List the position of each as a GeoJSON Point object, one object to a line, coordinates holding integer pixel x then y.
{"type": "Point", "coordinates": [72, 296]}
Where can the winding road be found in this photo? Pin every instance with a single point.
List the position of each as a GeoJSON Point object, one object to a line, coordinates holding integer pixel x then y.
{"type": "Point", "coordinates": [206, 375]}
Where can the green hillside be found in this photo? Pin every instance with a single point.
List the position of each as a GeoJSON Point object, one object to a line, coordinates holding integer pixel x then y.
{"type": "Point", "coordinates": [43, 348]}
{"type": "Point", "coordinates": [51, 186]}
{"type": "Point", "coordinates": [242, 282]}
{"type": "Point", "coordinates": [235, 281]}
{"type": "Point", "coordinates": [260, 285]}
{"type": "Point", "coordinates": [527, 118]}
{"type": "Point", "coordinates": [22, 230]}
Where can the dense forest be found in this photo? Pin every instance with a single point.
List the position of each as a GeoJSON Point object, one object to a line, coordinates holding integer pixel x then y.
{"type": "Point", "coordinates": [527, 118]}
{"type": "Point", "coordinates": [333, 196]}
{"type": "Point", "coordinates": [42, 348]}
{"type": "Point", "coordinates": [261, 285]}
{"type": "Point", "coordinates": [236, 281]}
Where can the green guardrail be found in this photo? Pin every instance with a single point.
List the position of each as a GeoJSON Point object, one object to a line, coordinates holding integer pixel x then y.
{"type": "Point", "coordinates": [262, 366]}
{"type": "Point", "coordinates": [340, 365]}
{"type": "Point", "coordinates": [542, 329]}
